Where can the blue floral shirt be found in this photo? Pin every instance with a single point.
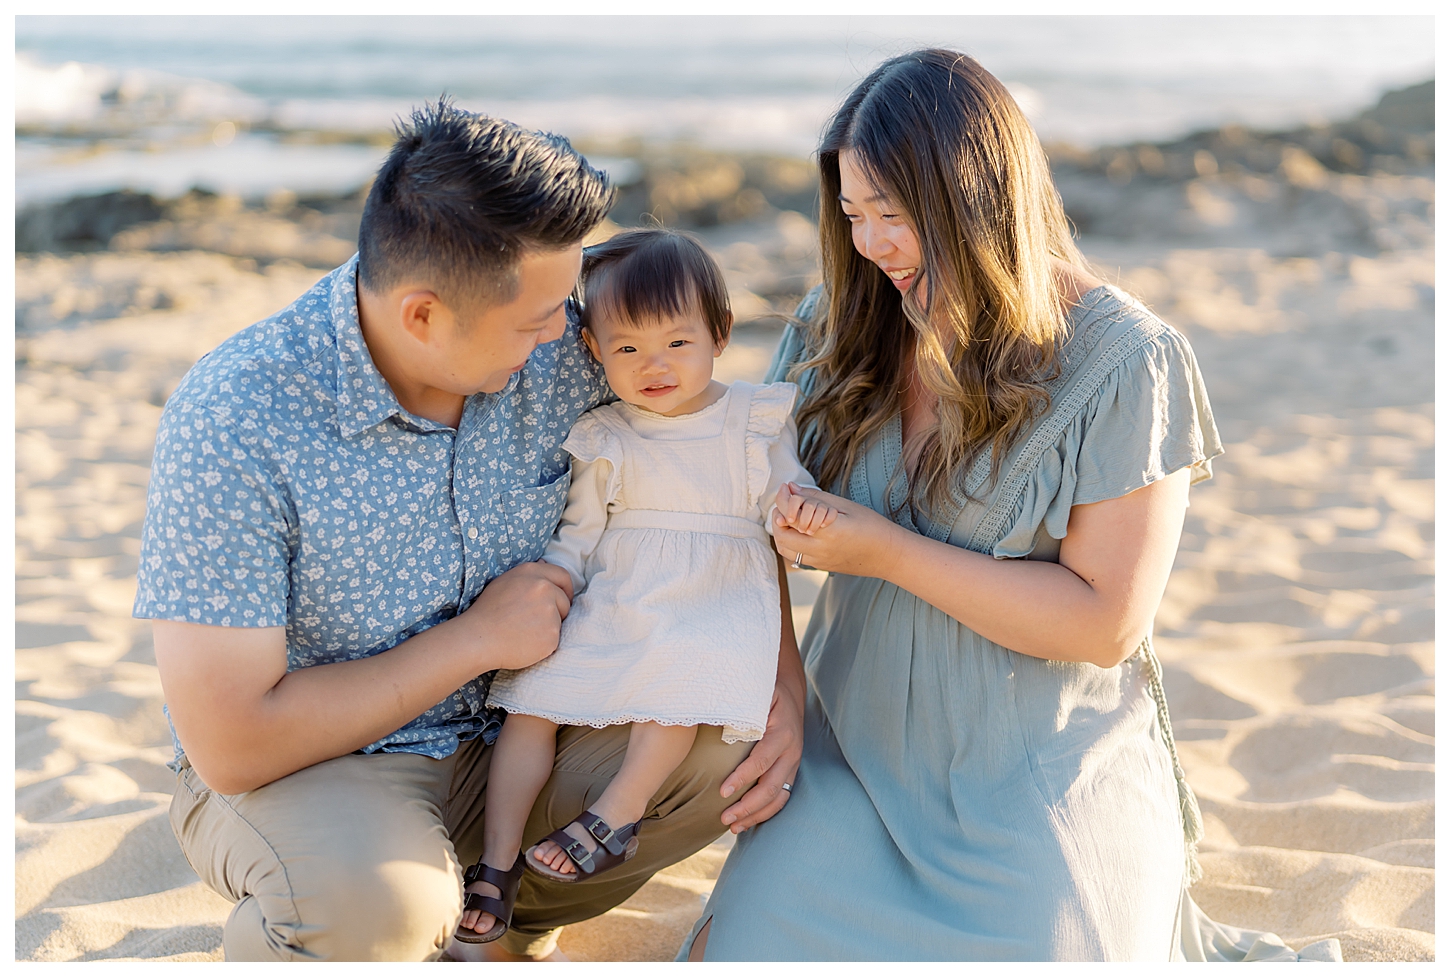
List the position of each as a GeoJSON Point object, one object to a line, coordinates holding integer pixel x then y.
{"type": "Point", "coordinates": [289, 488]}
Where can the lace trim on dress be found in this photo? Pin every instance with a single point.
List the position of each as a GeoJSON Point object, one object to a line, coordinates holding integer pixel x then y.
{"type": "Point", "coordinates": [729, 733]}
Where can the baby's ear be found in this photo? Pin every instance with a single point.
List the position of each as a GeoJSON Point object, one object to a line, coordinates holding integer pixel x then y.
{"type": "Point", "coordinates": [591, 344]}
{"type": "Point", "coordinates": [724, 340]}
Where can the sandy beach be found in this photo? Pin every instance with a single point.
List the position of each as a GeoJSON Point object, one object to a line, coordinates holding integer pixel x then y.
{"type": "Point", "coordinates": [1296, 633]}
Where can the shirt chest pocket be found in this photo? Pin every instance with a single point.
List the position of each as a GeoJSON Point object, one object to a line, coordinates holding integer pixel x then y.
{"type": "Point", "coordinates": [532, 513]}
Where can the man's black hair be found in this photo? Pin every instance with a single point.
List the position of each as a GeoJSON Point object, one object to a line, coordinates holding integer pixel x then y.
{"type": "Point", "coordinates": [462, 196]}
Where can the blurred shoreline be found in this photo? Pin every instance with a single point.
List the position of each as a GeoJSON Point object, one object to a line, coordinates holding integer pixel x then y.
{"type": "Point", "coordinates": [1360, 185]}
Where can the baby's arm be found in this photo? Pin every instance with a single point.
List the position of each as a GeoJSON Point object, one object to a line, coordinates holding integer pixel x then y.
{"type": "Point", "coordinates": [582, 523]}
{"type": "Point", "coordinates": [787, 473]}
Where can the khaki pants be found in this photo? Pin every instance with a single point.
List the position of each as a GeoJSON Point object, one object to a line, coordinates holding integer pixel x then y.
{"type": "Point", "coordinates": [361, 857]}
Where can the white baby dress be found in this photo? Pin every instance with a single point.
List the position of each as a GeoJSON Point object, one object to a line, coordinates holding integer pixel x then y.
{"type": "Point", "coordinates": [676, 615]}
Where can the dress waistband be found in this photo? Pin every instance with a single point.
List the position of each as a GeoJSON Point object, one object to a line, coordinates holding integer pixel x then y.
{"type": "Point", "coordinates": [688, 522]}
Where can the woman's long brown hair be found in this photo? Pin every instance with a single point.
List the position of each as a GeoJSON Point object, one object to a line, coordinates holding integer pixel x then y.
{"type": "Point", "coordinates": [943, 139]}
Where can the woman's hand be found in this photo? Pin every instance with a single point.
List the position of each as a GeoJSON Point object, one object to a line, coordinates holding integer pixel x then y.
{"type": "Point", "coordinates": [858, 541]}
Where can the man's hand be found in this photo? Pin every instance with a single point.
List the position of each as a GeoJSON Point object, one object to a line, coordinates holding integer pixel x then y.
{"type": "Point", "coordinates": [518, 615]}
{"type": "Point", "coordinates": [773, 762]}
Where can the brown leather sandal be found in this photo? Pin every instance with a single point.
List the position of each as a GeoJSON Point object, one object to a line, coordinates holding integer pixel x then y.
{"type": "Point", "coordinates": [500, 907]}
{"type": "Point", "coordinates": [615, 848]}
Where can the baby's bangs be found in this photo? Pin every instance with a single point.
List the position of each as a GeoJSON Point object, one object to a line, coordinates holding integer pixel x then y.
{"type": "Point", "coordinates": [646, 284]}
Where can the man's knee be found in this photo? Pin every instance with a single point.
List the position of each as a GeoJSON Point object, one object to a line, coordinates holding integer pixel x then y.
{"type": "Point", "coordinates": [398, 910]}
{"type": "Point", "coordinates": [694, 787]}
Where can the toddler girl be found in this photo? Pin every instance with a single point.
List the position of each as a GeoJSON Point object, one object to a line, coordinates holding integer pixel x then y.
{"type": "Point", "coordinates": [676, 614]}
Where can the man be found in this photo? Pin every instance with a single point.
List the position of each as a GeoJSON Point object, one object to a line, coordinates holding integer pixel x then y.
{"type": "Point", "coordinates": [347, 505]}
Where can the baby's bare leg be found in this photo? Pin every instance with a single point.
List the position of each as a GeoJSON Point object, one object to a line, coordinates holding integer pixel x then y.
{"type": "Point", "coordinates": [522, 760]}
{"type": "Point", "coordinates": [654, 753]}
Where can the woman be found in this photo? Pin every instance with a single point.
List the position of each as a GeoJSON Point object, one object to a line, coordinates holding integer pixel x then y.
{"type": "Point", "coordinates": [1011, 444]}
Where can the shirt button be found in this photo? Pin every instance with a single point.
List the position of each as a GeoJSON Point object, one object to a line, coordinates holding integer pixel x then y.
{"type": "Point", "coordinates": [473, 532]}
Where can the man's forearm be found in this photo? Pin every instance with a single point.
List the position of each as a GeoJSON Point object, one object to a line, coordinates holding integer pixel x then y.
{"type": "Point", "coordinates": [344, 706]}
{"type": "Point", "coordinates": [240, 733]}
{"type": "Point", "coordinates": [246, 721]}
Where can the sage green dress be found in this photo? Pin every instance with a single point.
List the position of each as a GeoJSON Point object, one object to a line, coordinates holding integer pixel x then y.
{"type": "Point", "coordinates": [958, 800]}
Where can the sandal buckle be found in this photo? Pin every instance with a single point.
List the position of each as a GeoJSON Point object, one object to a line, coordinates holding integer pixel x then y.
{"type": "Point", "coordinates": [609, 840]}
{"type": "Point", "coordinates": [593, 827]}
{"type": "Point", "coordinates": [580, 855]}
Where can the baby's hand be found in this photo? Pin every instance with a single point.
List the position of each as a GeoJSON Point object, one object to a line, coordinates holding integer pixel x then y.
{"type": "Point", "coordinates": [800, 513]}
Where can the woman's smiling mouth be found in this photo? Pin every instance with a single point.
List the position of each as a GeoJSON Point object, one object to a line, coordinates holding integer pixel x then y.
{"type": "Point", "coordinates": [901, 277]}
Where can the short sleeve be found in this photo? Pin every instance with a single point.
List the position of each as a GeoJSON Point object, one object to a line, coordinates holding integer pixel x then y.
{"type": "Point", "coordinates": [215, 547]}
{"type": "Point", "coordinates": [1148, 419]}
{"type": "Point", "coordinates": [792, 347]}
{"type": "Point", "coordinates": [1151, 418]}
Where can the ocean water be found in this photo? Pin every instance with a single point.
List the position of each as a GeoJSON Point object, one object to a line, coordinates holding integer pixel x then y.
{"type": "Point", "coordinates": [235, 103]}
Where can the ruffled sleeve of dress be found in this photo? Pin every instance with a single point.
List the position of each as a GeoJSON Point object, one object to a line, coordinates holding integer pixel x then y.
{"type": "Point", "coordinates": [770, 446]}
{"type": "Point", "coordinates": [594, 484]}
{"type": "Point", "coordinates": [1149, 418]}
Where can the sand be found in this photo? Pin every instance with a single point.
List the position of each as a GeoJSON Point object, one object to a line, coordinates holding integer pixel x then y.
{"type": "Point", "coordinates": [1296, 632]}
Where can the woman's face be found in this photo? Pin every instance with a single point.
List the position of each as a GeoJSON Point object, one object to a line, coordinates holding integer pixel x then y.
{"type": "Point", "coordinates": [878, 225]}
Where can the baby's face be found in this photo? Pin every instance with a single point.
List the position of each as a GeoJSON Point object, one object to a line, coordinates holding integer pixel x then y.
{"type": "Point", "coordinates": [664, 365]}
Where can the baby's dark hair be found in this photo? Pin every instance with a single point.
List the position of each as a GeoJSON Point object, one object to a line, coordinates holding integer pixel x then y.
{"type": "Point", "coordinates": [651, 274]}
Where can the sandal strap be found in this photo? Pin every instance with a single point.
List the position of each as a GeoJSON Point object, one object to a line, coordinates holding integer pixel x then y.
{"type": "Point", "coordinates": [574, 848]}
{"type": "Point", "coordinates": [614, 842]}
{"type": "Point", "coordinates": [507, 883]}
{"type": "Point", "coordinates": [607, 837]}
{"type": "Point", "coordinates": [496, 908]}
{"type": "Point", "coordinates": [479, 872]}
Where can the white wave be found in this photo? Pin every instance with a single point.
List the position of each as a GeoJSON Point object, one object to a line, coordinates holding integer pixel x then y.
{"type": "Point", "coordinates": [59, 93]}
{"type": "Point", "coordinates": [72, 93]}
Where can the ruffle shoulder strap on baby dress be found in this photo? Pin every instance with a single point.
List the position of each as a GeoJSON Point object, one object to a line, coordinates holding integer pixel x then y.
{"type": "Point", "coordinates": [770, 408]}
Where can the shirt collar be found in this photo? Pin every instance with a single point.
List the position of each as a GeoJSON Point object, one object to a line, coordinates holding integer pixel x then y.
{"type": "Point", "coordinates": [364, 399]}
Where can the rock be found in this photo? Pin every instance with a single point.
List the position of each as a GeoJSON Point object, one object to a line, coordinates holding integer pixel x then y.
{"type": "Point", "coordinates": [82, 223]}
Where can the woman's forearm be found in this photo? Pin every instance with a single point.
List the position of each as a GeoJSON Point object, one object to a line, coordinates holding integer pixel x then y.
{"type": "Point", "coordinates": [1095, 604]}
{"type": "Point", "coordinates": [1034, 607]}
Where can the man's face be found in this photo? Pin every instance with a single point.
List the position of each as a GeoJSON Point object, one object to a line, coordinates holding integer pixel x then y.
{"type": "Point", "coordinates": [479, 353]}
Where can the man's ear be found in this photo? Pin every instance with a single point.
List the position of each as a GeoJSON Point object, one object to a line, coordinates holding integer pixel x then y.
{"type": "Point", "coordinates": [420, 314]}
{"type": "Point", "coordinates": [729, 325]}
{"type": "Point", "coordinates": [591, 343]}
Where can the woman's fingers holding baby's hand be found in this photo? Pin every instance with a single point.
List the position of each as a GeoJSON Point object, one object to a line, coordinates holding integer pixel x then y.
{"type": "Point", "coordinates": [841, 536]}
{"type": "Point", "coordinates": [789, 541]}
